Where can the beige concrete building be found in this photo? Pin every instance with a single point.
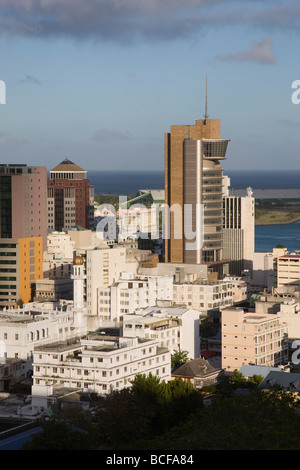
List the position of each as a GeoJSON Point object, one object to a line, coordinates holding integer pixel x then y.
{"type": "Point", "coordinates": [288, 270]}
{"type": "Point", "coordinates": [53, 289]}
{"type": "Point", "coordinates": [58, 258]}
{"type": "Point", "coordinates": [252, 338]}
{"type": "Point", "coordinates": [204, 295]}
{"type": "Point", "coordinates": [194, 177]}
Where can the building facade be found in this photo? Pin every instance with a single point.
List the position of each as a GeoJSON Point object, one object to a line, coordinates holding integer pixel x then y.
{"type": "Point", "coordinates": [58, 258]}
{"type": "Point", "coordinates": [22, 329]}
{"type": "Point", "coordinates": [130, 292]}
{"type": "Point", "coordinates": [23, 201]}
{"type": "Point", "coordinates": [70, 197]}
{"type": "Point", "coordinates": [103, 266]}
{"type": "Point", "coordinates": [194, 179]}
{"type": "Point", "coordinates": [287, 270]}
{"type": "Point", "coordinates": [238, 232]}
{"type": "Point", "coordinates": [252, 338]}
{"type": "Point", "coordinates": [96, 364]}
{"type": "Point", "coordinates": [204, 295]}
{"type": "Point", "coordinates": [175, 328]}
{"type": "Point", "coordinates": [21, 264]}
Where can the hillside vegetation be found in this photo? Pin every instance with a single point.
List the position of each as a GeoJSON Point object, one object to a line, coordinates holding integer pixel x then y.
{"type": "Point", "coordinates": [276, 211]}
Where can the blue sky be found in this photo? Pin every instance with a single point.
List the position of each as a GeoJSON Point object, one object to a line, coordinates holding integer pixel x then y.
{"type": "Point", "coordinates": [101, 81]}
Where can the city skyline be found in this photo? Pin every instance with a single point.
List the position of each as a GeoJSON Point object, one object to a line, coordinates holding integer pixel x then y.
{"type": "Point", "coordinates": [101, 83]}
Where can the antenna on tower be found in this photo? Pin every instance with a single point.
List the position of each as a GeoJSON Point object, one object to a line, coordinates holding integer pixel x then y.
{"type": "Point", "coordinates": [205, 115]}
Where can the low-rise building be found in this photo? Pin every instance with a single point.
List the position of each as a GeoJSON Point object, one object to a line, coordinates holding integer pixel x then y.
{"type": "Point", "coordinates": [288, 270]}
{"type": "Point", "coordinates": [54, 288]}
{"type": "Point", "coordinates": [12, 371]}
{"type": "Point", "coordinates": [24, 328]}
{"type": "Point", "coordinates": [204, 295]}
{"type": "Point", "coordinates": [95, 364]}
{"type": "Point", "coordinates": [252, 338]}
{"type": "Point", "coordinates": [199, 372]}
{"type": "Point", "coordinates": [173, 327]}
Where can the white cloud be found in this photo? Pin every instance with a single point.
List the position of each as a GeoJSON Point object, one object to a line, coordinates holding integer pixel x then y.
{"type": "Point", "coordinates": [260, 52]}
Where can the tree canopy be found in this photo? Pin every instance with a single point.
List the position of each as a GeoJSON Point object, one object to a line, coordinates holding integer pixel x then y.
{"type": "Point", "coordinates": [158, 415]}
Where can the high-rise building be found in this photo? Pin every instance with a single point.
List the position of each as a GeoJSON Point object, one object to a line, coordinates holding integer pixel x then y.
{"type": "Point", "coordinates": [23, 201]}
{"type": "Point", "coordinates": [70, 197]}
{"type": "Point", "coordinates": [193, 181]}
{"type": "Point", "coordinates": [23, 231]}
{"type": "Point", "coordinates": [238, 232]}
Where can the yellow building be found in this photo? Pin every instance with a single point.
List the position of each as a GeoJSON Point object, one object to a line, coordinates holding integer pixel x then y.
{"type": "Point", "coordinates": [21, 263]}
{"type": "Point", "coordinates": [252, 338]}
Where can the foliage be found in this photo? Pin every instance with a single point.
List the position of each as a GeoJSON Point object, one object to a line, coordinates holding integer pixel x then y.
{"type": "Point", "coordinates": [58, 435]}
{"type": "Point", "coordinates": [157, 415]}
{"type": "Point", "coordinates": [258, 421]}
{"type": "Point", "coordinates": [178, 358]}
{"type": "Point", "coordinates": [149, 407]}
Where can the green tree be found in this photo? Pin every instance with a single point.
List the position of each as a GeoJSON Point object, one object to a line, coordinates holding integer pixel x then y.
{"type": "Point", "coordinates": [178, 358]}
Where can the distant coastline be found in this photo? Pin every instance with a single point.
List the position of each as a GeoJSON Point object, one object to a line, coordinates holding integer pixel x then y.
{"type": "Point", "coordinates": [287, 222]}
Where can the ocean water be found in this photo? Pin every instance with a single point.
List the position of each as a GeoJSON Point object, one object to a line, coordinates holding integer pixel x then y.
{"type": "Point", "coordinates": [124, 183]}
{"type": "Point", "coordinates": [266, 236]}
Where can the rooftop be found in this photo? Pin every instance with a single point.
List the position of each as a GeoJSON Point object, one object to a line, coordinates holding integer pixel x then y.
{"type": "Point", "coordinates": [67, 165]}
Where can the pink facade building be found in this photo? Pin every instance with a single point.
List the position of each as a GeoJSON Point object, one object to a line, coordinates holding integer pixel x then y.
{"type": "Point", "coordinates": [23, 201]}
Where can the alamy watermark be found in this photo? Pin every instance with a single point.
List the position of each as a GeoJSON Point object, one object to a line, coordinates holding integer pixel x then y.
{"type": "Point", "coordinates": [139, 221]}
{"type": "Point", "coordinates": [296, 94]}
{"type": "Point", "coordinates": [2, 92]}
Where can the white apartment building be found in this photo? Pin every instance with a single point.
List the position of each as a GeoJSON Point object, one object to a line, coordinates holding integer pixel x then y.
{"type": "Point", "coordinates": [130, 292]}
{"type": "Point", "coordinates": [252, 338]}
{"type": "Point", "coordinates": [95, 363]}
{"type": "Point", "coordinates": [173, 327]}
{"type": "Point", "coordinates": [204, 295]}
{"type": "Point", "coordinates": [24, 328]}
{"type": "Point", "coordinates": [103, 266]}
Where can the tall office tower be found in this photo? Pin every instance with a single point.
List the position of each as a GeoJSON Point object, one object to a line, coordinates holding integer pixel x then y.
{"type": "Point", "coordinates": [238, 232]}
{"type": "Point", "coordinates": [194, 179]}
{"type": "Point", "coordinates": [70, 198]}
{"type": "Point", "coordinates": [23, 201]}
